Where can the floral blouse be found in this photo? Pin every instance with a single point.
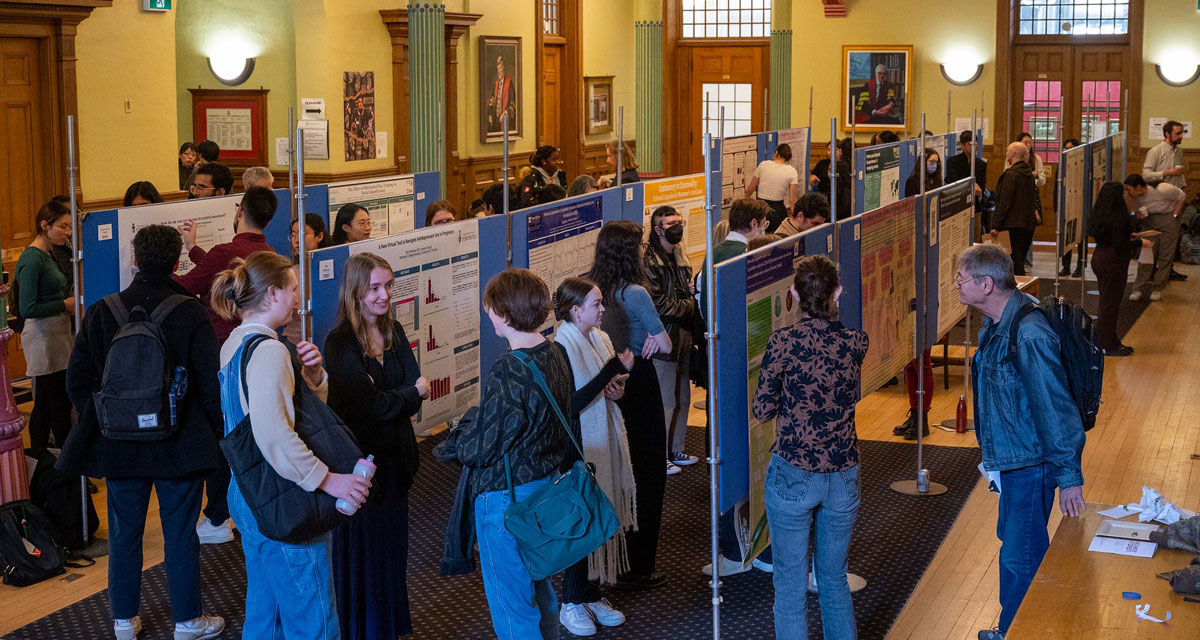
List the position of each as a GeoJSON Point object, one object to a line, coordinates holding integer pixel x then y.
{"type": "Point", "coordinates": [809, 382]}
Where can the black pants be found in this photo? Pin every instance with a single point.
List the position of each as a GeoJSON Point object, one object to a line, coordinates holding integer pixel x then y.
{"type": "Point", "coordinates": [577, 589]}
{"type": "Point", "coordinates": [216, 485]}
{"type": "Point", "coordinates": [1112, 270]}
{"type": "Point", "coordinates": [642, 409]}
{"type": "Point", "coordinates": [778, 213]}
{"type": "Point", "coordinates": [178, 506]}
{"type": "Point", "coordinates": [51, 410]}
{"type": "Point", "coordinates": [1021, 240]}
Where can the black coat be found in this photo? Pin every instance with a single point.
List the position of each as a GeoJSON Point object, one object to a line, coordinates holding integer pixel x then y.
{"type": "Point", "coordinates": [958, 166]}
{"type": "Point", "coordinates": [377, 401]}
{"type": "Point", "coordinates": [192, 449]}
{"type": "Point", "coordinates": [1016, 199]}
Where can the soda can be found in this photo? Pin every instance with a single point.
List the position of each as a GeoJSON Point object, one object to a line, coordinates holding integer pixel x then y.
{"type": "Point", "coordinates": [923, 480]}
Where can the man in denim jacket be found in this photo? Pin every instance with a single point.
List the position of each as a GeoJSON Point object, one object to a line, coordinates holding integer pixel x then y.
{"type": "Point", "coordinates": [1027, 423]}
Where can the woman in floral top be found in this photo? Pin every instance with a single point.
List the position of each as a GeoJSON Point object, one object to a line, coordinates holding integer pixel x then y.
{"type": "Point", "coordinates": [809, 383]}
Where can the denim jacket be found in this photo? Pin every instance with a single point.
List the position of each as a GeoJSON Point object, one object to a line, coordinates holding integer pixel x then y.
{"type": "Point", "coordinates": [1024, 413]}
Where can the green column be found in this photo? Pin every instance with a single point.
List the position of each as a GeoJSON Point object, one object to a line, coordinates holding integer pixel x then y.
{"type": "Point", "coordinates": [427, 85]}
{"type": "Point", "coordinates": [780, 94]}
{"type": "Point", "coordinates": [649, 96]}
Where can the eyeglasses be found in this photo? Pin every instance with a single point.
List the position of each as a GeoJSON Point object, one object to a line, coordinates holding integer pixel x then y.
{"type": "Point", "coordinates": [199, 187]}
{"type": "Point", "coordinates": [362, 224]}
{"type": "Point", "coordinates": [959, 280]}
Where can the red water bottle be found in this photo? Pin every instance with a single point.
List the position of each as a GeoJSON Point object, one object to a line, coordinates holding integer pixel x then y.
{"type": "Point", "coordinates": [960, 417]}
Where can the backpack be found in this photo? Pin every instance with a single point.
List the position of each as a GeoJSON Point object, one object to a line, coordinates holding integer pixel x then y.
{"type": "Point", "coordinates": [141, 386]}
{"type": "Point", "coordinates": [61, 500]}
{"type": "Point", "coordinates": [1081, 358]}
{"type": "Point", "coordinates": [29, 551]}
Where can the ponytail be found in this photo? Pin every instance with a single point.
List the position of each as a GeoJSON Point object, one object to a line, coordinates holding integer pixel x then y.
{"type": "Point", "coordinates": [246, 282]}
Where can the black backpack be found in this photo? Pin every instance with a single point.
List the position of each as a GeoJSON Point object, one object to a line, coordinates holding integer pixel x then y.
{"type": "Point", "coordinates": [29, 551]}
{"type": "Point", "coordinates": [1081, 358]}
{"type": "Point", "coordinates": [142, 386]}
{"type": "Point", "coordinates": [60, 497]}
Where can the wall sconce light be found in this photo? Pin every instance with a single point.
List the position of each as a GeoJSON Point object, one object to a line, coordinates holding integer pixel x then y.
{"type": "Point", "coordinates": [231, 70]}
{"type": "Point", "coordinates": [1177, 73]}
{"type": "Point", "coordinates": [961, 74]}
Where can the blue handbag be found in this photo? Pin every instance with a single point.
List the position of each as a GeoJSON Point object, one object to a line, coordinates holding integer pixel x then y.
{"type": "Point", "coordinates": [565, 520]}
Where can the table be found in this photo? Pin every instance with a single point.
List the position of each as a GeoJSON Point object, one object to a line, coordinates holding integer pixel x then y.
{"type": "Point", "coordinates": [1077, 593]}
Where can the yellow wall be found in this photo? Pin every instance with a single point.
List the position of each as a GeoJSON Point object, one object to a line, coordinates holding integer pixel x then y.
{"type": "Point", "coordinates": [608, 50]}
{"type": "Point", "coordinates": [125, 53]}
{"type": "Point", "coordinates": [1171, 30]}
{"type": "Point", "coordinates": [261, 29]}
{"type": "Point", "coordinates": [937, 31]}
{"type": "Point", "coordinates": [500, 18]}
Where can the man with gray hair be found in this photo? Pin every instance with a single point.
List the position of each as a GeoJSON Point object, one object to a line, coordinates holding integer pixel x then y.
{"type": "Point", "coordinates": [1026, 421]}
{"type": "Point", "coordinates": [258, 177]}
{"type": "Point", "coordinates": [1016, 205]}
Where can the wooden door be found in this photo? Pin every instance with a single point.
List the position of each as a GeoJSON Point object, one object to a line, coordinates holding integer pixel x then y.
{"type": "Point", "coordinates": [550, 128]}
{"type": "Point", "coordinates": [731, 77]}
{"type": "Point", "coordinates": [1043, 107]}
{"type": "Point", "coordinates": [24, 148]}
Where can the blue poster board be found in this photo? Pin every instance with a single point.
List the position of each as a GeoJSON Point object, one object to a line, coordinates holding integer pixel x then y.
{"type": "Point", "coordinates": [633, 202]}
{"type": "Point", "coordinates": [944, 206]}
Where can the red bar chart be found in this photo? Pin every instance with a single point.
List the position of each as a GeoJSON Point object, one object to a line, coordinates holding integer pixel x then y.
{"type": "Point", "coordinates": [439, 388]}
{"type": "Point", "coordinates": [431, 344]}
{"type": "Point", "coordinates": [430, 298]}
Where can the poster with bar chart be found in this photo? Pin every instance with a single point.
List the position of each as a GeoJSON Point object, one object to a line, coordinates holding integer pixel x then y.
{"type": "Point", "coordinates": [435, 297]}
{"type": "Point", "coordinates": [888, 291]}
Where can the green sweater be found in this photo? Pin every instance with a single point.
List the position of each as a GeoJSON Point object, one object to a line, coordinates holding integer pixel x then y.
{"type": "Point", "coordinates": [41, 285]}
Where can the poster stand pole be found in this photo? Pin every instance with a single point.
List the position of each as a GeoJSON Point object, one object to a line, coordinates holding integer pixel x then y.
{"type": "Point", "coordinates": [291, 165]}
{"type": "Point", "coordinates": [968, 423]}
{"type": "Point", "coordinates": [620, 168]}
{"type": "Point", "coordinates": [441, 146]}
{"type": "Point", "coordinates": [712, 335]}
{"type": "Point", "coordinates": [306, 308]}
{"type": "Point", "coordinates": [853, 159]}
{"type": "Point", "coordinates": [949, 96]}
{"type": "Point", "coordinates": [507, 191]}
{"type": "Point", "coordinates": [810, 99]}
{"type": "Point", "coordinates": [1059, 214]}
{"type": "Point", "coordinates": [921, 486]}
{"type": "Point", "coordinates": [766, 112]}
{"type": "Point", "coordinates": [76, 275]}
{"type": "Point", "coordinates": [833, 150]}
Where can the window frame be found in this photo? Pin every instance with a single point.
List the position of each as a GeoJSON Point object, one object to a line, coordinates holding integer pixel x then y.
{"type": "Point", "coordinates": [677, 9]}
{"type": "Point", "coordinates": [1014, 15]}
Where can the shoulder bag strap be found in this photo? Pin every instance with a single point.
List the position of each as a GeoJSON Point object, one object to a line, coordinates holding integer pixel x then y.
{"type": "Point", "coordinates": [541, 381]}
{"type": "Point", "coordinates": [118, 308]}
{"type": "Point", "coordinates": [1015, 327]}
{"type": "Point", "coordinates": [165, 307]}
{"type": "Point", "coordinates": [248, 348]}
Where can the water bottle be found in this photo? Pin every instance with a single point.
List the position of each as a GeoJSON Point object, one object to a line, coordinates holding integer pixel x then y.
{"type": "Point", "coordinates": [365, 467]}
{"type": "Point", "coordinates": [960, 418]}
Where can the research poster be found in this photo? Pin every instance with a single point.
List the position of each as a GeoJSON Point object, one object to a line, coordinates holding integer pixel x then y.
{"type": "Point", "coordinates": [435, 297]}
{"type": "Point", "coordinates": [562, 243]}
{"type": "Point", "coordinates": [1073, 199]}
{"type": "Point", "coordinates": [214, 219]}
{"type": "Point", "coordinates": [739, 159]}
{"type": "Point", "coordinates": [390, 202]}
{"type": "Point", "coordinates": [1118, 156]}
{"type": "Point", "coordinates": [769, 307]}
{"type": "Point", "coordinates": [954, 235]}
{"type": "Point", "coordinates": [230, 128]}
{"type": "Point", "coordinates": [888, 289]}
{"type": "Point", "coordinates": [686, 195]}
{"type": "Point", "coordinates": [881, 177]}
{"type": "Point", "coordinates": [1099, 167]}
{"type": "Point", "coordinates": [797, 139]}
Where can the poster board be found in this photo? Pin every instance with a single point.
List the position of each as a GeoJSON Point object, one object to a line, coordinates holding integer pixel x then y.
{"type": "Point", "coordinates": [391, 201]}
{"type": "Point", "coordinates": [1118, 160]}
{"type": "Point", "coordinates": [799, 140]}
{"type": "Point", "coordinates": [686, 195]}
{"type": "Point", "coordinates": [1070, 215]}
{"type": "Point", "coordinates": [878, 178]}
{"type": "Point", "coordinates": [1100, 165]}
{"type": "Point", "coordinates": [953, 208]}
{"type": "Point", "coordinates": [888, 288]}
{"type": "Point", "coordinates": [739, 158]}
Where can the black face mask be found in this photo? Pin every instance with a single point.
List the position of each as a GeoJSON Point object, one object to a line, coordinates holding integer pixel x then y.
{"type": "Point", "coordinates": [674, 234]}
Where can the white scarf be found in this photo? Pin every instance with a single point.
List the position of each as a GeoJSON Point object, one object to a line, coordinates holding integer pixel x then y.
{"type": "Point", "coordinates": [605, 446]}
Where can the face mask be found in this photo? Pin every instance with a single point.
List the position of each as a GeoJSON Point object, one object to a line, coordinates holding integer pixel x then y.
{"type": "Point", "coordinates": [674, 234]}
{"type": "Point", "coordinates": [931, 167]}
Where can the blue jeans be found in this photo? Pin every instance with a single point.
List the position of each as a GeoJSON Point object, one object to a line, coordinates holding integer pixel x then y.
{"type": "Point", "coordinates": [521, 607]}
{"type": "Point", "coordinates": [793, 498]}
{"type": "Point", "coordinates": [1026, 499]}
{"type": "Point", "coordinates": [289, 594]}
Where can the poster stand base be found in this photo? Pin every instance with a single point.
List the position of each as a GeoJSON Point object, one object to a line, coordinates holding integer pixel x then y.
{"type": "Point", "coordinates": [857, 583]}
{"type": "Point", "coordinates": [701, 405]}
{"type": "Point", "coordinates": [951, 424]}
{"type": "Point", "coordinates": [909, 487]}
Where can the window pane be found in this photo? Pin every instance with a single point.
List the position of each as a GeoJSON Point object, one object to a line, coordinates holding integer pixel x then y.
{"type": "Point", "coordinates": [1080, 17]}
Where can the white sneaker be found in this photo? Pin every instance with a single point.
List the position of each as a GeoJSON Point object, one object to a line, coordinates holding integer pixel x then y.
{"type": "Point", "coordinates": [210, 533]}
{"type": "Point", "coordinates": [672, 469]}
{"type": "Point", "coordinates": [577, 619]}
{"type": "Point", "coordinates": [762, 566]}
{"type": "Point", "coordinates": [604, 613]}
{"type": "Point", "coordinates": [1155, 296]}
{"type": "Point", "coordinates": [1135, 296]}
{"type": "Point", "coordinates": [728, 568]}
{"type": "Point", "coordinates": [200, 628]}
{"type": "Point", "coordinates": [682, 459]}
{"type": "Point", "coordinates": [127, 629]}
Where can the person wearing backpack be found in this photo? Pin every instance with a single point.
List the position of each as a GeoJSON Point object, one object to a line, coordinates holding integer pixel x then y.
{"type": "Point", "coordinates": [1028, 424]}
{"type": "Point", "coordinates": [169, 443]}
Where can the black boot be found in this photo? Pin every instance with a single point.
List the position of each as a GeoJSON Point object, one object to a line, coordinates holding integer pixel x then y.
{"type": "Point", "coordinates": [911, 433]}
{"type": "Point", "coordinates": [907, 425]}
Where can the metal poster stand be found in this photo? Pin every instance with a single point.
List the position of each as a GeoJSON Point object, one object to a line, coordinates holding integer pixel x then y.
{"type": "Point", "coordinates": [712, 335]}
{"type": "Point", "coordinates": [1060, 214]}
{"type": "Point", "coordinates": [620, 143]}
{"type": "Point", "coordinates": [77, 279]}
{"type": "Point", "coordinates": [833, 149]}
{"type": "Point", "coordinates": [306, 308]}
{"type": "Point", "coordinates": [921, 486]}
{"type": "Point", "coordinates": [291, 157]}
{"type": "Point", "coordinates": [975, 142]}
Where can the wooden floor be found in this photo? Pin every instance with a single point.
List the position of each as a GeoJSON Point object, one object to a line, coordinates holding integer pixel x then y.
{"type": "Point", "coordinates": [1147, 434]}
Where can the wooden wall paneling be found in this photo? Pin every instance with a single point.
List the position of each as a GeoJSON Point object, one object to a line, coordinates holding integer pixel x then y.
{"type": "Point", "coordinates": [396, 21]}
{"type": "Point", "coordinates": [457, 25]}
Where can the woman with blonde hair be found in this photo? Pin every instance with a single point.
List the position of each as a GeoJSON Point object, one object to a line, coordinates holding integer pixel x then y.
{"type": "Point", "coordinates": [375, 385]}
{"type": "Point", "coordinates": [288, 590]}
{"type": "Point", "coordinates": [629, 166]}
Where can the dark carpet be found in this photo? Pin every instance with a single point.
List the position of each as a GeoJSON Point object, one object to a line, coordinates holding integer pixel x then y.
{"type": "Point", "coordinates": [894, 541]}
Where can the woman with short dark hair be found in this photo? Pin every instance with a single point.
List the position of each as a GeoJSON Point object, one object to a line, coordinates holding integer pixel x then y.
{"type": "Point", "coordinates": [544, 169]}
{"type": "Point", "coordinates": [1111, 226]}
{"type": "Point", "coordinates": [140, 193]}
{"type": "Point", "coordinates": [351, 224]}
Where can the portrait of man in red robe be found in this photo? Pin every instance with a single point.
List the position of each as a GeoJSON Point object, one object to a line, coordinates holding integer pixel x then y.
{"type": "Point", "coordinates": [502, 100]}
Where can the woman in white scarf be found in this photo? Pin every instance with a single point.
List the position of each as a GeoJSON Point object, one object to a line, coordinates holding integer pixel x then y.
{"type": "Point", "coordinates": [577, 303]}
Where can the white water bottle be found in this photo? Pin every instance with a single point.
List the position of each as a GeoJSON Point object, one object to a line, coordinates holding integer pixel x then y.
{"type": "Point", "coordinates": [365, 467]}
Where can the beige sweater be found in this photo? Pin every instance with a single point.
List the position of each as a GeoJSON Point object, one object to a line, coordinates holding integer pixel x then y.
{"type": "Point", "coordinates": [271, 381]}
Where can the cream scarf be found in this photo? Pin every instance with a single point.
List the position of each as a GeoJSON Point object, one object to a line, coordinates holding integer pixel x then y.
{"type": "Point", "coordinates": [605, 446]}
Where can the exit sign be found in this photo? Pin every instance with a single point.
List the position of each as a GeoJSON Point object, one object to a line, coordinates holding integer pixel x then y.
{"type": "Point", "coordinates": [156, 5]}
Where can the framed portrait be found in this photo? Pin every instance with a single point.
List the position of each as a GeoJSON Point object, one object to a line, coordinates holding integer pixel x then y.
{"type": "Point", "coordinates": [598, 90]}
{"type": "Point", "coordinates": [499, 87]}
{"type": "Point", "coordinates": [235, 119]}
{"type": "Point", "coordinates": [876, 81]}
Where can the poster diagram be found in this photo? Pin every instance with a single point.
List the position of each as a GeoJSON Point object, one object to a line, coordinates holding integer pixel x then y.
{"type": "Point", "coordinates": [739, 159]}
{"type": "Point", "coordinates": [562, 243]}
{"type": "Point", "coordinates": [768, 307]}
{"type": "Point", "coordinates": [1072, 198]}
{"type": "Point", "coordinates": [881, 177]}
{"type": "Point", "coordinates": [435, 297]}
{"type": "Point", "coordinates": [230, 128]}
{"type": "Point", "coordinates": [686, 195]}
{"type": "Point", "coordinates": [214, 225]}
{"type": "Point", "coordinates": [888, 289]}
{"type": "Point", "coordinates": [797, 139]}
{"type": "Point", "coordinates": [954, 235]}
{"type": "Point", "coordinates": [390, 202]}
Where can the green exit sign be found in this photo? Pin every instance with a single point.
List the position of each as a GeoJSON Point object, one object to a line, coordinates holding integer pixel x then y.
{"type": "Point", "coordinates": [156, 5]}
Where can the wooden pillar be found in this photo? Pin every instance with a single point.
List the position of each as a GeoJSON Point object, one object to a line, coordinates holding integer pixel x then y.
{"type": "Point", "coordinates": [396, 21]}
